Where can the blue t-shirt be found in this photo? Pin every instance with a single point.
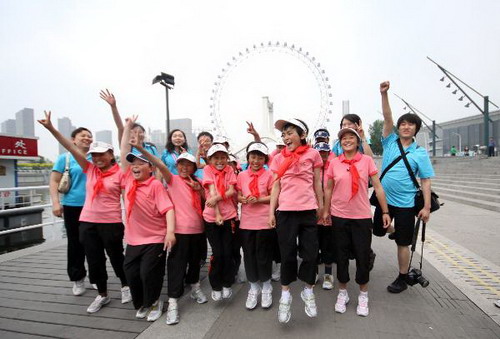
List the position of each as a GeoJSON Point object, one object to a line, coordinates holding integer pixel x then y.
{"type": "Point", "coordinates": [338, 150]}
{"type": "Point", "coordinates": [398, 186]}
{"type": "Point", "coordinates": [148, 147]}
{"type": "Point", "coordinates": [76, 194]}
{"type": "Point", "coordinates": [170, 159]}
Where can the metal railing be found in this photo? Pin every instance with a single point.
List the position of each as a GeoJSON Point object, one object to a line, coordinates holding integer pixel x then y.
{"type": "Point", "coordinates": [26, 199]}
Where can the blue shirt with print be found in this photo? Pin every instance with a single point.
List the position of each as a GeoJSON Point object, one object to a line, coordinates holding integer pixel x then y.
{"type": "Point", "coordinates": [76, 194]}
{"type": "Point", "coordinates": [151, 148]}
{"type": "Point", "coordinates": [398, 186]}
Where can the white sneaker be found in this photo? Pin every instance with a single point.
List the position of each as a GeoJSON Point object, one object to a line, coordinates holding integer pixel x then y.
{"type": "Point", "coordinates": [142, 312]}
{"type": "Point", "coordinates": [79, 287]}
{"type": "Point", "coordinates": [216, 295]}
{"type": "Point", "coordinates": [199, 296]}
{"type": "Point", "coordinates": [267, 298]}
{"type": "Point", "coordinates": [126, 296]}
{"type": "Point", "coordinates": [310, 301]}
{"type": "Point", "coordinates": [342, 301]}
{"type": "Point", "coordinates": [99, 302]}
{"type": "Point", "coordinates": [327, 282]}
{"type": "Point", "coordinates": [94, 286]}
{"type": "Point", "coordinates": [284, 310]}
{"type": "Point", "coordinates": [252, 298]}
{"type": "Point", "coordinates": [497, 303]}
{"type": "Point", "coordinates": [276, 275]}
{"type": "Point", "coordinates": [172, 314]}
{"type": "Point", "coordinates": [362, 309]}
{"type": "Point", "coordinates": [156, 311]}
{"type": "Point", "coordinates": [227, 292]}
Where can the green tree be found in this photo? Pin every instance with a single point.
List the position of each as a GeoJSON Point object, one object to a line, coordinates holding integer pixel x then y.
{"type": "Point", "coordinates": [375, 131]}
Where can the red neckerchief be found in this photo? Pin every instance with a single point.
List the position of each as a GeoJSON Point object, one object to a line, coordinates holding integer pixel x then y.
{"type": "Point", "coordinates": [132, 193]}
{"type": "Point", "coordinates": [99, 185]}
{"type": "Point", "coordinates": [290, 158]}
{"type": "Point", "coordinates": [220, 178]}
{"type": "Point", "coordinates": [254, 184]}
{"type": "Point", "coordinates": [195, 196]}
{"type": "Point", "coordinates": [353, 170]}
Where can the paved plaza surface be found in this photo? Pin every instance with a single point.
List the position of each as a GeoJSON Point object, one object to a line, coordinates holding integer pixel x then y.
{"type": "Point", "coordinates": [462, 264]}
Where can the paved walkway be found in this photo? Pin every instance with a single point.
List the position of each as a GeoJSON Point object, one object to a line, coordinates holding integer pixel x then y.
{"type": "Point", "coordinates": [462, 253]}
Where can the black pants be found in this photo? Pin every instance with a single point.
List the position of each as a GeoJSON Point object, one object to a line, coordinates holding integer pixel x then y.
{"type": "Point", "coordinates": [289, 226]}
{"type": "Point", "coordinates": [221, 271]}
{"type": "Point", "coordinates": [353, 236]}
{"type": "Point", "coordinates": [187, 254]}
{"type": "Point", "coordinates": [97, 238]}
{"type": "Point", "coordinates": [144, 268]}
{"type": "Point", "coordinates": [491, 151]}
{"type": "Point", "coordinates": [326, 242]}
{"type": "Point", "coordinates": [76, 251]}
{"type": "Point", "coordinates": [258, 249]}
{"type": "Point", "coordinates": [237, 247]}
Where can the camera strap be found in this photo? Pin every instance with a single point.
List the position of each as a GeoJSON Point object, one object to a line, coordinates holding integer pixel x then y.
{"type": "Point", "coordinates": [414, 242]}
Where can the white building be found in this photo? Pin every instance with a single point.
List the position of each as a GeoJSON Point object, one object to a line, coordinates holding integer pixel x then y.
{"type": "Point", "coordinates": [9, 127]}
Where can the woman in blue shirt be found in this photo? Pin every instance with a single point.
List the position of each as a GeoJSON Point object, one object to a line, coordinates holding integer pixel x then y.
{"type": "Point", "coordinates": [176, 144]}
{"type": "Point", "coordinates": [71, 206]}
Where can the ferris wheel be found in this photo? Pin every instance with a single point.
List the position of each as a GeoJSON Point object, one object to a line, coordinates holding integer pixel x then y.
{"type": "Point", "coordinates": [323, 111]}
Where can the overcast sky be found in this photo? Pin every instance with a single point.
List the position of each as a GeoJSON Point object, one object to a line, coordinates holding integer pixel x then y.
{"type": "Point", "coordinates": [58, 54]}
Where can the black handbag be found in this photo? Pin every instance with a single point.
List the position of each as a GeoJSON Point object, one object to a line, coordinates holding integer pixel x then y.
{"type": "Point", "coordinates": [419, 196]}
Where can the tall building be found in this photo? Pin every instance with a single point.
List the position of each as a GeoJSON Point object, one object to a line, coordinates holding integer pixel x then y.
{"type": "Point", "coordinates": [104, 136]}
{"type": "Point", "coordinates": [267, 118]}
{"type": "Point", "coordinates": [345, 107]}
{"type": "Point", "coordinates": [25, 122]}
{"type": "Point", "coordinates": [9, 127]}
{"type": "Point", "coordinates": [158, 138]}
{"type": "Point", "coordinates": [185, 125]}
{"type": "Point", "coordinates": [64, 126]}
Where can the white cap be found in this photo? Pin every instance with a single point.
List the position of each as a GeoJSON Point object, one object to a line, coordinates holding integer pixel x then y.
{"type": "Point", "coordinates": [131, 156]}
{"type": "Point", "coordinates": [280, 123]}
{"type": "Point", "coordinates": [99, 147]}
{"type": "Point", "coordinates": [187, 156]}
{"type": "Point", "coordinates": [232, 158]}
{"type": "Point", "coordinates": [280, 142]}
{"type": "Point", "coordinates": [216, 148]}
{"type": "Point", "coordinates": [221, 140]}
{"type": "Point", "coordinates": [258, 147]}
{"type": "Point", "coordinates": [348, 130]}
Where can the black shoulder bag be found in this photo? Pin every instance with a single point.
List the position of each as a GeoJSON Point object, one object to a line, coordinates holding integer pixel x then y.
{"type": "Point", "coordinates": [419, 196]}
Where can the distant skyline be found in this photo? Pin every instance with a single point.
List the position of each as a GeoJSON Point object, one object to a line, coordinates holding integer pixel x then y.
{"type": "Point", "coordinates": [72, 49]}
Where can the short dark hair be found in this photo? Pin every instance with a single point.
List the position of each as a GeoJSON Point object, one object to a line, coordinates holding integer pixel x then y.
{"type": "Point", "coordinates": [204, 133]}
{"type": "Point", "coordinates": [299, 130]}
{"type": "Point", "coordinates": [79, 130]}
{"type": "Point", "coordinates": [412, 119]}
{"type": "Point", "coordinates": [170, 145]}
{"type": "Point", "coordinates": [248, 153]}
{"type": "Point", "coordinates": [138, 125]}
{"type": "Point", "coordinates": [354, 118]}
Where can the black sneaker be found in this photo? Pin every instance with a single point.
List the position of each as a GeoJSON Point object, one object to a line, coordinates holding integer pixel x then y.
{"type": "Point", "coordinates": [392, 236]}
{"type": "Point", "coordinates": [397, 286]}
{"type": "Point", "coordinates": [372, 260]}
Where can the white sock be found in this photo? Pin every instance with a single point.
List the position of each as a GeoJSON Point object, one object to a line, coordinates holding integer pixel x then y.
{"type": "Point", "coordinates": [254, 286]}
{"type": "Point", "coordinates": [363, 294]}
{"type": "Point", "coordinates": [308, 290]}
{"type": "Point", "coordinates": [195, 286]}
{"type": "Point", "coordinates": [266, 286]}
{"type": "Point", "coordinates": [285, 295]}
{"type": "Point", "coordinates": [172, 300]}
{"type": "Point", "coordinates": [344, 292]}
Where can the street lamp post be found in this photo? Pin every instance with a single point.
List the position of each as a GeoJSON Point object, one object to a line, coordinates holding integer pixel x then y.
{"type": "Point", "coordinates": [459, 141]}
{"type": "Point", "coordinates": [168, 82]}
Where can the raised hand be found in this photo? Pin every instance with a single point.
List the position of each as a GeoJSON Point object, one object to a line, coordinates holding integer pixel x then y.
{"type": "Point", "coordinates": [47, 123]}
{"type": "Point", "coordinates": [384, 87]}
{"type": "Point", "coordinates": [360, 130]}
{"type": "Point", "coordinates": [129, 122]}
{"type": "Point", "coordinates": [250, 129]}
{"type": "Point", "coordinates": [108, 97]}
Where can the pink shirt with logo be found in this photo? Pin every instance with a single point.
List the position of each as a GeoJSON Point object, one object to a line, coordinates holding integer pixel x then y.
{"type": "Point", "coordinates": [106, 206]}
{"type": "Point", "coordinates": [297, 184]}
{"type": "Point", "coordinates": [342, 205]}
{"type": "Point", "coordinates": [254, 216]}
{"type": "Point", "coordinates": [147, 223]}
{"type": "Point", "coordinates": [187, 219]}
{"type": "Point", "coordinates": [226, 206]}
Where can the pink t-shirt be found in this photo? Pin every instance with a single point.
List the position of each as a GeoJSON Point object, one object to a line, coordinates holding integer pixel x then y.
{"type": "Point", "coordinates": [254, 216]}
{"type": "Point", "coordinates": [342, 205]}
{"type": "Point", "coordinates": [147, 223]}
{"type": "Point", "coordinates": [226, 206]}
{"type": "Point", "coordinates": [187, 219]}
{"type": "Point", "coordinates": [106, 206]}
{"type": "Point", "coordinates": [297, 184]}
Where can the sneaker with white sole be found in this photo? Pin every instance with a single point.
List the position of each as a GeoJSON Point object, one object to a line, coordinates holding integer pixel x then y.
{"type": "Point", "coordinates": [327, 282]}
{"type": "Point", "coordinates": [310, 303]}
{"type": "Point", "coordinates": [362, 309]}
{"type": "Point", "coordinates": [216, 295]}
{"type": "Point", "coordinates": [142, 312]}
{"type": "Point", "coordinates": [126, 296]}
{"type": "Point", "coordinates": [79, 287]}
{"type": "Point", "coordinates": [276, 275]}
{"type": "Point", "coordinates": [266, 298]}
{"type": "Point", "coordinates": [98, 302]}
{"type": "Point", "coordinates": [155, 311]}
{"type": "Point", "coordinates": [94, 286]}
{"type": "Point", "coordinates": [172, 314]}
{"type": "Point", "coordinates": [199, 296]}
{"type": "Point", "coordinates": [284, 310]}
{"type": "Point", "coordinates": [252, 299]}
{"type": "Point", "coordinates": [342, 301]}
{"type": "Point", "coordinates": [227, 292]}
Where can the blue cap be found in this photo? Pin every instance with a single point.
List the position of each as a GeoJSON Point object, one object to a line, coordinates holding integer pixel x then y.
{"type": "Point", "coordinates": [321, 133]}
{"type": "Point", "coordinates": [322, 146]}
